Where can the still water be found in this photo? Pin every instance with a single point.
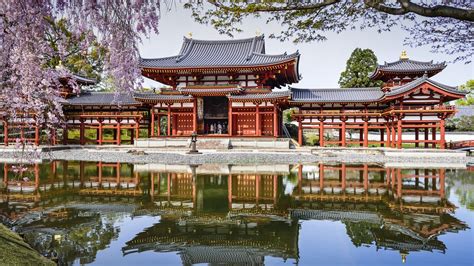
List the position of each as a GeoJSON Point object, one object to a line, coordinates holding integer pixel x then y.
{"type": "Point", "coordinates": [314, 214]}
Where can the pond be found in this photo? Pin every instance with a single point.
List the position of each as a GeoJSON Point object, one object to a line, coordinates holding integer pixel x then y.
{"type": "Point", "coordinates": [313, 214]}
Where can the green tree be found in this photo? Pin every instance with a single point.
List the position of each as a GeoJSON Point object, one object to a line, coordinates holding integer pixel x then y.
{"type": "Point", "coordinates": [358, 68]}
{"type": "Point", "coordinates": [85, 62]}
{"type": "Point", "coordinates": [469, 87]}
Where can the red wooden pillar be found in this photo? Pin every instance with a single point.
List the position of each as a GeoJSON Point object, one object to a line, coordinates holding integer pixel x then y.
{"type": "Point", "coordinates": [389, 134]}
{"type": "Point", "coordinates": [137, 128]}
{"type": "Point", "coordinates": [99, 133]}
{"type": "Point", "coordinates": [158, 130]}
{"type": "Point", "coordinates": [300, 131]}
{"type": "Point", "coordinates": [37, 135]}
{"type": "Point", "coordinates": [152, 113]}
{"type": "Point", "coordinates": [442, 141]}
{"type": "Point", "coordinates": [230, 125]}
{"type": "Point", "coordinates": [275, 120]}
{"type": "Point", "coordinates": [119, 133]}
{"type": "Point", "coordinates": [5, 132]}
{"type": "Point", "coordinates": [426, 137]}
{"type": "Point", "coordinates": [343, 133]}
{"type": "Point", "coordinates": [433, 135]}
{"type": "Point", "coordinates": [399, 131]}
{"type": "Point", "coordinates": [366, 133]}
{"type": "Point", "coordinates": [174, 129]}
{"type": "Point", "coordinates": [258, 131]}
{"type": "Point", "coordinates": [82, 132]}
{"type": "Point", "coordinates": [169, 120]}
{"type": "Point", "coordinates": [321, 133]}
{"type": "Point", "coordinates": [195, 122]}
{"type": "Point", "coordinates": [394, 136]}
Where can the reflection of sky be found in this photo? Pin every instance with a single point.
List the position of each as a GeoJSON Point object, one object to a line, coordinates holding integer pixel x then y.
{"type": "Point", "coordinates": [128, 229]}
{"type": "Point", "coordinates": [321, 63]}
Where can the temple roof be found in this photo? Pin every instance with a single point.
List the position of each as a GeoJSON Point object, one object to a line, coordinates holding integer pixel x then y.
{"type": "Point", "coordinates": [101, 98]}
{"type": "Point", "coordinates": [219, 53]}
{"type": "Point", "coordinates": [211, 90]}
{"type": "Point", "coordinates": [83, 80]}
{"type": "Point", "coordinates": [260, 96]}
{"type": "Point", "coordinates": [407, 66]}
{"type": "Point", "coordinates": [418, 82]}
{"type": "Point", "coordinates": [337, 95]}
{"type": "Point", "coordinates": [151, 97]}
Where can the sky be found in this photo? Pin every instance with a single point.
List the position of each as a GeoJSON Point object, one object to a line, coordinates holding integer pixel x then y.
{"type": "Point", "coordinates": [321, 63]}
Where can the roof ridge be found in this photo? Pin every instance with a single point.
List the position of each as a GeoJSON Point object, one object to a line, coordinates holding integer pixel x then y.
{"type": "Point", "coordinates": [338, 89]}
{"type": "Point", "coordinates": [226, 41]}
{"type": "Point", "coordinates": [186, 53]}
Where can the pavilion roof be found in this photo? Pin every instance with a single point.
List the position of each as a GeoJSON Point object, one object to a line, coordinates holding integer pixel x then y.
{"type": "Point", "coordinates": [101, 98]}
{"type": "Point", "coordinates": [411, 85]}
{"type": "Point", "coordinates": [210, 90]}
{"type": "Point", "coordinates": [407, 66]}
{"type": "Point", "coordinates": [219, 53]}
{"type": "Point", "coordinates": [337, 95]}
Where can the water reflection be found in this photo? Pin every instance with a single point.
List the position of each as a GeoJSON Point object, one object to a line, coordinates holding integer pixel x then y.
{"type": "Point", "coordinates": [224, 213]}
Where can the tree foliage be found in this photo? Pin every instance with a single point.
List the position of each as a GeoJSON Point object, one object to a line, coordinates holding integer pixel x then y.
{"type": "Point", "coordinates": [28, 80]}
{"type": "Point", "coordinates": [445, 26]}
{"type": "Point", "coordinates": [469, 99]}
{"type": "Point", "coordinates": [360, 64]}
{"type": "Point", "coordinates": [85, 61]}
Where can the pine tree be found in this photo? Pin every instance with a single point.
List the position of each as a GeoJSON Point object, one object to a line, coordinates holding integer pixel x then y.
{"type": "Point", "coordinates": [358, 68]}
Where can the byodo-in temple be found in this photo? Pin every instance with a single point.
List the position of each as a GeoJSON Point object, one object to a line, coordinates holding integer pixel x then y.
{"type": "Point", "coordinates": [221, 214]}
{"type": "Point", "coordinates": [234, 89]}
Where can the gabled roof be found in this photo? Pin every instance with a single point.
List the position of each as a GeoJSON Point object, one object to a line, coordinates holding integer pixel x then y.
{"type": "Point", "coordinates": [407, 66]}
{"type": "Point", "coordinates": [83, 80]}
{"type": "Point", "coordinates": [337, 95]}
{"type": "Point", "coordinates": [411, 85]}
{"type": "Point", "coordinates": [101, 98]}
{"type": "Point", "coordinates": [219, 53]}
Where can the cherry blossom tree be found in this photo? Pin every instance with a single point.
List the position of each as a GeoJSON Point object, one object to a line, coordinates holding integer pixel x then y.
{"type": "Point", "coordinates": [29, 85]}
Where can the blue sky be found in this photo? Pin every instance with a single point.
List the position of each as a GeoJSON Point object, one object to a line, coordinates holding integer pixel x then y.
{"type": "Point", "coordinates": [321, 62]}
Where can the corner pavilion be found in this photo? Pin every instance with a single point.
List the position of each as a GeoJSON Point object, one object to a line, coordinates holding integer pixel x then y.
{"type": "Point", "coordinates": [232, 88]}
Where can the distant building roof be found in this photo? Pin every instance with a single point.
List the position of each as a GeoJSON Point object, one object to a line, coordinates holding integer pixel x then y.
{"type": "Point", "coordinates": [219, 53]}
{"type": "Point", "coordinates": [407, 66]}
{"type": "Point", "coordinates": [261, 96]}
{"type": "Point", "coordinates": [339, 95]}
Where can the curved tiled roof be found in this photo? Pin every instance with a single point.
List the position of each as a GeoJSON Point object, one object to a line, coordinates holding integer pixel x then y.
{"type": "Point", "coordinates": [101, 98]}
{"type": "Point", "coordinates": [408, 66]}
{"type": "Point", "coordinates": [337, 95]}
{"type": "Point", "coordinates": [417, 82]}
{"type": "Point", "coordinates": [213, 53]}
{"type": "Point", "coordinates": [153, 97]}
{"type": "Point", "coordinates": [261, 96]}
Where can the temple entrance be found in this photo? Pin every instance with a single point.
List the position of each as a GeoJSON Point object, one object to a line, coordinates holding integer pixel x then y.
{"type": "Point", "coordinates": [215, 115]}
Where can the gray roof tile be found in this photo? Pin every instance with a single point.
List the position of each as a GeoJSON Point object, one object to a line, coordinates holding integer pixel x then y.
{"type": "Point", "coordinates": [101, 98]}
{"type": "Point", "coordinates": [419, 81]}
{"type": "Point", "coordinates": [231, 53]}
{"type": "Point", "coordinates": [337, 95]}
{"type": "Point", "coordinates": [411, 66]}
{"type": "Point", "coordinates": [153, 97]}
{"type": "Point", "coordinates": [261, 96]}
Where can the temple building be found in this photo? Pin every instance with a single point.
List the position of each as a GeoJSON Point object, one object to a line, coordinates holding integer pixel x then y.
{"type": "Point", "coordinates": [233, 89]}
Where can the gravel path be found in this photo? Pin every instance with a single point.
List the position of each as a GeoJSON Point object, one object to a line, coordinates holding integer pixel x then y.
{"type": "Point", "coordinates": [233, 157]}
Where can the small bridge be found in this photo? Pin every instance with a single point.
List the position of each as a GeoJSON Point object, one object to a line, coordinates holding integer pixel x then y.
{"type": "Point", "coordinates": [465, 145]}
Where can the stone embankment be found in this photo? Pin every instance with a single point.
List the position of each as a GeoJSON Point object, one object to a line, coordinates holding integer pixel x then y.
{"type": "Point", "coordinates": [15, 251]}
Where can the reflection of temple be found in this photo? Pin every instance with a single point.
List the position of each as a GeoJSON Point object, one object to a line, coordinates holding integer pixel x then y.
{"type": "Point", "coordinates": [241, 213]}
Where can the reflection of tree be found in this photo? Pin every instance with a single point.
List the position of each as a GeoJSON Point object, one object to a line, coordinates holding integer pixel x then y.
{"type": "Point", "coordinates": [71, 240]}
{"type": "Point", "coordinates": [462, 183]}
{"type": "Point", "coordinates": [360, 233]}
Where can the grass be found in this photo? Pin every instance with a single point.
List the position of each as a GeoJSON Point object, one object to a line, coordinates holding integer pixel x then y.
{"type": "Point", "coordinates": [16, 252]}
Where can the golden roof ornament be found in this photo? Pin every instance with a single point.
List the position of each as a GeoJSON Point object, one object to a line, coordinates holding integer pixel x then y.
{"type": "Point", "coordinates": [258, 32]}
{"type": "Point", "coordinates": [404, 55]}
{"type": "Point", "coordinates": [190, 35]}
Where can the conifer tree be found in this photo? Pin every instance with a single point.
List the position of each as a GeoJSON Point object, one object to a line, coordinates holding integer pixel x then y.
{"type": "Point", "coordinates": [358, 68]}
